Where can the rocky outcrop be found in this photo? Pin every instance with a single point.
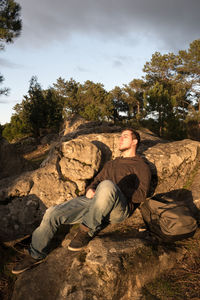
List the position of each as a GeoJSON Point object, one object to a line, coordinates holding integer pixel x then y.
{"type": "Point", "coordinates": [173, 163]}
{"type": "Point", "coordinates": [109, 269]}
{"type": "Point", "coordinates": [64, 176]}
{"type": "Point", "coordinates": [115, 264]}
{"type": "Point", "coordinates": [77, 125]}
{"type": "Point", "coordinates": [72, 164]}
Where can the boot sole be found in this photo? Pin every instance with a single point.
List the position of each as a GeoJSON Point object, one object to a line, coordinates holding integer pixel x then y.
{"type": "Point", "coordinates": [16, 272]}
{"type": "Point", "coordinates": [75, 249]}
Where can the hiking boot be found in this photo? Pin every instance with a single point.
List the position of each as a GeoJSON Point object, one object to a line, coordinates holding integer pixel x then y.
{"type": "Point", "coordinates": [80, 240]}
{"type": "Point", "coordinates": [27, 263]}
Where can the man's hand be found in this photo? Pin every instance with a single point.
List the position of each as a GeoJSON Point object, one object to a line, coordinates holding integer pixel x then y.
{"type": "Point", "coordinates": [90, 193]}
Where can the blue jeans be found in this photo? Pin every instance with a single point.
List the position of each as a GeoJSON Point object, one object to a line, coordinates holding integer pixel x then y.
{"type": "Point", "coordinates": [108, 204]}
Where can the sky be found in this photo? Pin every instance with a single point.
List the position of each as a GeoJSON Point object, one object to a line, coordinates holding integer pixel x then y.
{"type": "Point", "coordinates": [106, 41]}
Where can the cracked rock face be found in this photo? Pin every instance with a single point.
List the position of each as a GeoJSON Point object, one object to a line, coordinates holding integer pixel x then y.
{"type": "Point", "coordinates": [114, 265]}
{"type": "Point", "coordinates": [63, 177]}
{"type": "Point", "coordinates": [71, 164]}
{"type": "Point", "coordinates": [172, 163]}
{"type": "Point", "coordinates": [81, 160]}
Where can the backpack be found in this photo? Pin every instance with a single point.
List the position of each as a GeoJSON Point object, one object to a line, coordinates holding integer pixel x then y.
{"type": "Point", "coordinates": [168, 219]}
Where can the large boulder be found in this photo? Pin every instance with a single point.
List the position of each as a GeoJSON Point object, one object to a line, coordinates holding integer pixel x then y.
{"type": "Point", "coordinates": [72, 164]}
{"type": "Point", "coordinates": [115, 264]}
{"type": "Point", "coordinates": [172, 163]}
{"type": "Point", "coordinates": [76, 125]}
{"type": "Point", "coordinates": [63, 177]}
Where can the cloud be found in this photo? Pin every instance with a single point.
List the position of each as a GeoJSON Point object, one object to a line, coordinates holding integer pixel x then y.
{"type": "Point", "coordinates": [173, 22]}
{"type": "Point", "coordinates": [81, 69]}
{"type": "Point", "coordinates": [117, 64]}
{"type": "Point", "coordinates": [8, 64]}
{"type": "Point", "coordinates": [6, 101]}
{"type": "Point", "coordinates": [120, 60]}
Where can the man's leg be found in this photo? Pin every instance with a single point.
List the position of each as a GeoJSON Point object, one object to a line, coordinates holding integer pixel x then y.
{"type": "Point", "coordinates": [70, 212]}
{"type": "Point", "coordinates": [108, 204]}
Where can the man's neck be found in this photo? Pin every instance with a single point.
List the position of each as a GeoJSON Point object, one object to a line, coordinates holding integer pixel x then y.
{"type": "Point", "coordinates": [128, 153]}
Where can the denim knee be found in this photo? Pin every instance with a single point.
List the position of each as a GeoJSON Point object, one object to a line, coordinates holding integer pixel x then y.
{"type": "Point", "coordinates": [107, 186]}
{"type": "Point", "coordinates": [52, 216]}
{"type": "Point", "coordinates": [106, 192]}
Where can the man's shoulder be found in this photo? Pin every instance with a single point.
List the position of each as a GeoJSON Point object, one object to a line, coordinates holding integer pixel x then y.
{"type": "Point", "coordinates": [135, 158]}
{"type": "Point", "coordinates": [129, 160]}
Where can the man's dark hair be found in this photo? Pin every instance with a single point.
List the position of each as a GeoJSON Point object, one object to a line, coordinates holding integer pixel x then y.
{"type": "Point", "coordinates": [135, 135]}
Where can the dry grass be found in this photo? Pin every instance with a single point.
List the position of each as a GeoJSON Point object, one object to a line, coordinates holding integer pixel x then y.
{"type": "Point", "coordinates": [181, 282]}
{"type": "Point", "coordinates": [37, 156]}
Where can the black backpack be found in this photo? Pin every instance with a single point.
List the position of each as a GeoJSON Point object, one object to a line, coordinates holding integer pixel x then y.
{"type": "Point", "coordinates": [168, 219]}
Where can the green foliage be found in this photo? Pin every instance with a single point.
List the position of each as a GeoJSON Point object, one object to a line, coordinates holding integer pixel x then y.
{"type": "Point", "coordinates": [120, 107]}
{"type": "Point", "coordinates": [168, 93]}
{"type": "Point", "coordinates": [161, 67]}
{"type": "Point", "coordinates": [191, 60]}
{"type": "Point", "coordinates": [89, 100]}
{"type": "Point", "coordinates": [159, 102]}
{"type": "Point", "coordinates": [97, 102]}
{"type": "Point", "coordinates": [162, 100]}
{"type": "Point", "coordinates": [10, 22]}
{"type": "Point", "coordinates": [33, 112]}
{"type": "Point", "coordinates": [69, 92]}
{"type": "Point", "coordinates": [38, 110]}
{"type": "Point", "coordinates": [3, 91]}
{"type": "Point", "coordinates": [190, 69]}
{"type": "Point", "coordinates": [14, 130]}
{"type": "Point", "coordinates": [53, 110]}
{"type": "Point", "coordinates": [134, 97]}
{"type": "Point", "coordinates": [10, 27]}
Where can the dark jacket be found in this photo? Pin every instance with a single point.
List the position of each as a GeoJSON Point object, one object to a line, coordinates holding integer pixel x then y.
{"type": "Point", "coordinates": [131, 174]}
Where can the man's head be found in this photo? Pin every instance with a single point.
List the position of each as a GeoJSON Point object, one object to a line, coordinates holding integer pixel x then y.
{"type": "Point", "coordinates": [129, 141]}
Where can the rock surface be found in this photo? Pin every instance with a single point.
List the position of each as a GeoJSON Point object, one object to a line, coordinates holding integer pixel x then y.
{"type": "Point", "coordinates": [73, 163]}
{"type": "Point", "coordinates": [115, 264]}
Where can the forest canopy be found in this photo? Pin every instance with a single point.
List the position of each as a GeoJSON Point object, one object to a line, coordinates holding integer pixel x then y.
{"type": "Point", "coordinates": [166, 99]}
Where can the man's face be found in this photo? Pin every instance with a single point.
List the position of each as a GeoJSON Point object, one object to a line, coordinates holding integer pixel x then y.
{"type": "Point", "coordinates": [126, 140]}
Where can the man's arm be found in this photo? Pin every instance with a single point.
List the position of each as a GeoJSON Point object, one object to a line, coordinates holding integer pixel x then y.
{"type": "Point", "coordinates": [102, 175]}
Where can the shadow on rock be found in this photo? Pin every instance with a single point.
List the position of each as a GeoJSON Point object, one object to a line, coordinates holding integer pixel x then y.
{"type": "Point", "coordinates": [19, 216]}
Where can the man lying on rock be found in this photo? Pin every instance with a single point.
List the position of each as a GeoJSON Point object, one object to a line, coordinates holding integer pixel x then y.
{"type": "Point", "coordinates": [119, 187]}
